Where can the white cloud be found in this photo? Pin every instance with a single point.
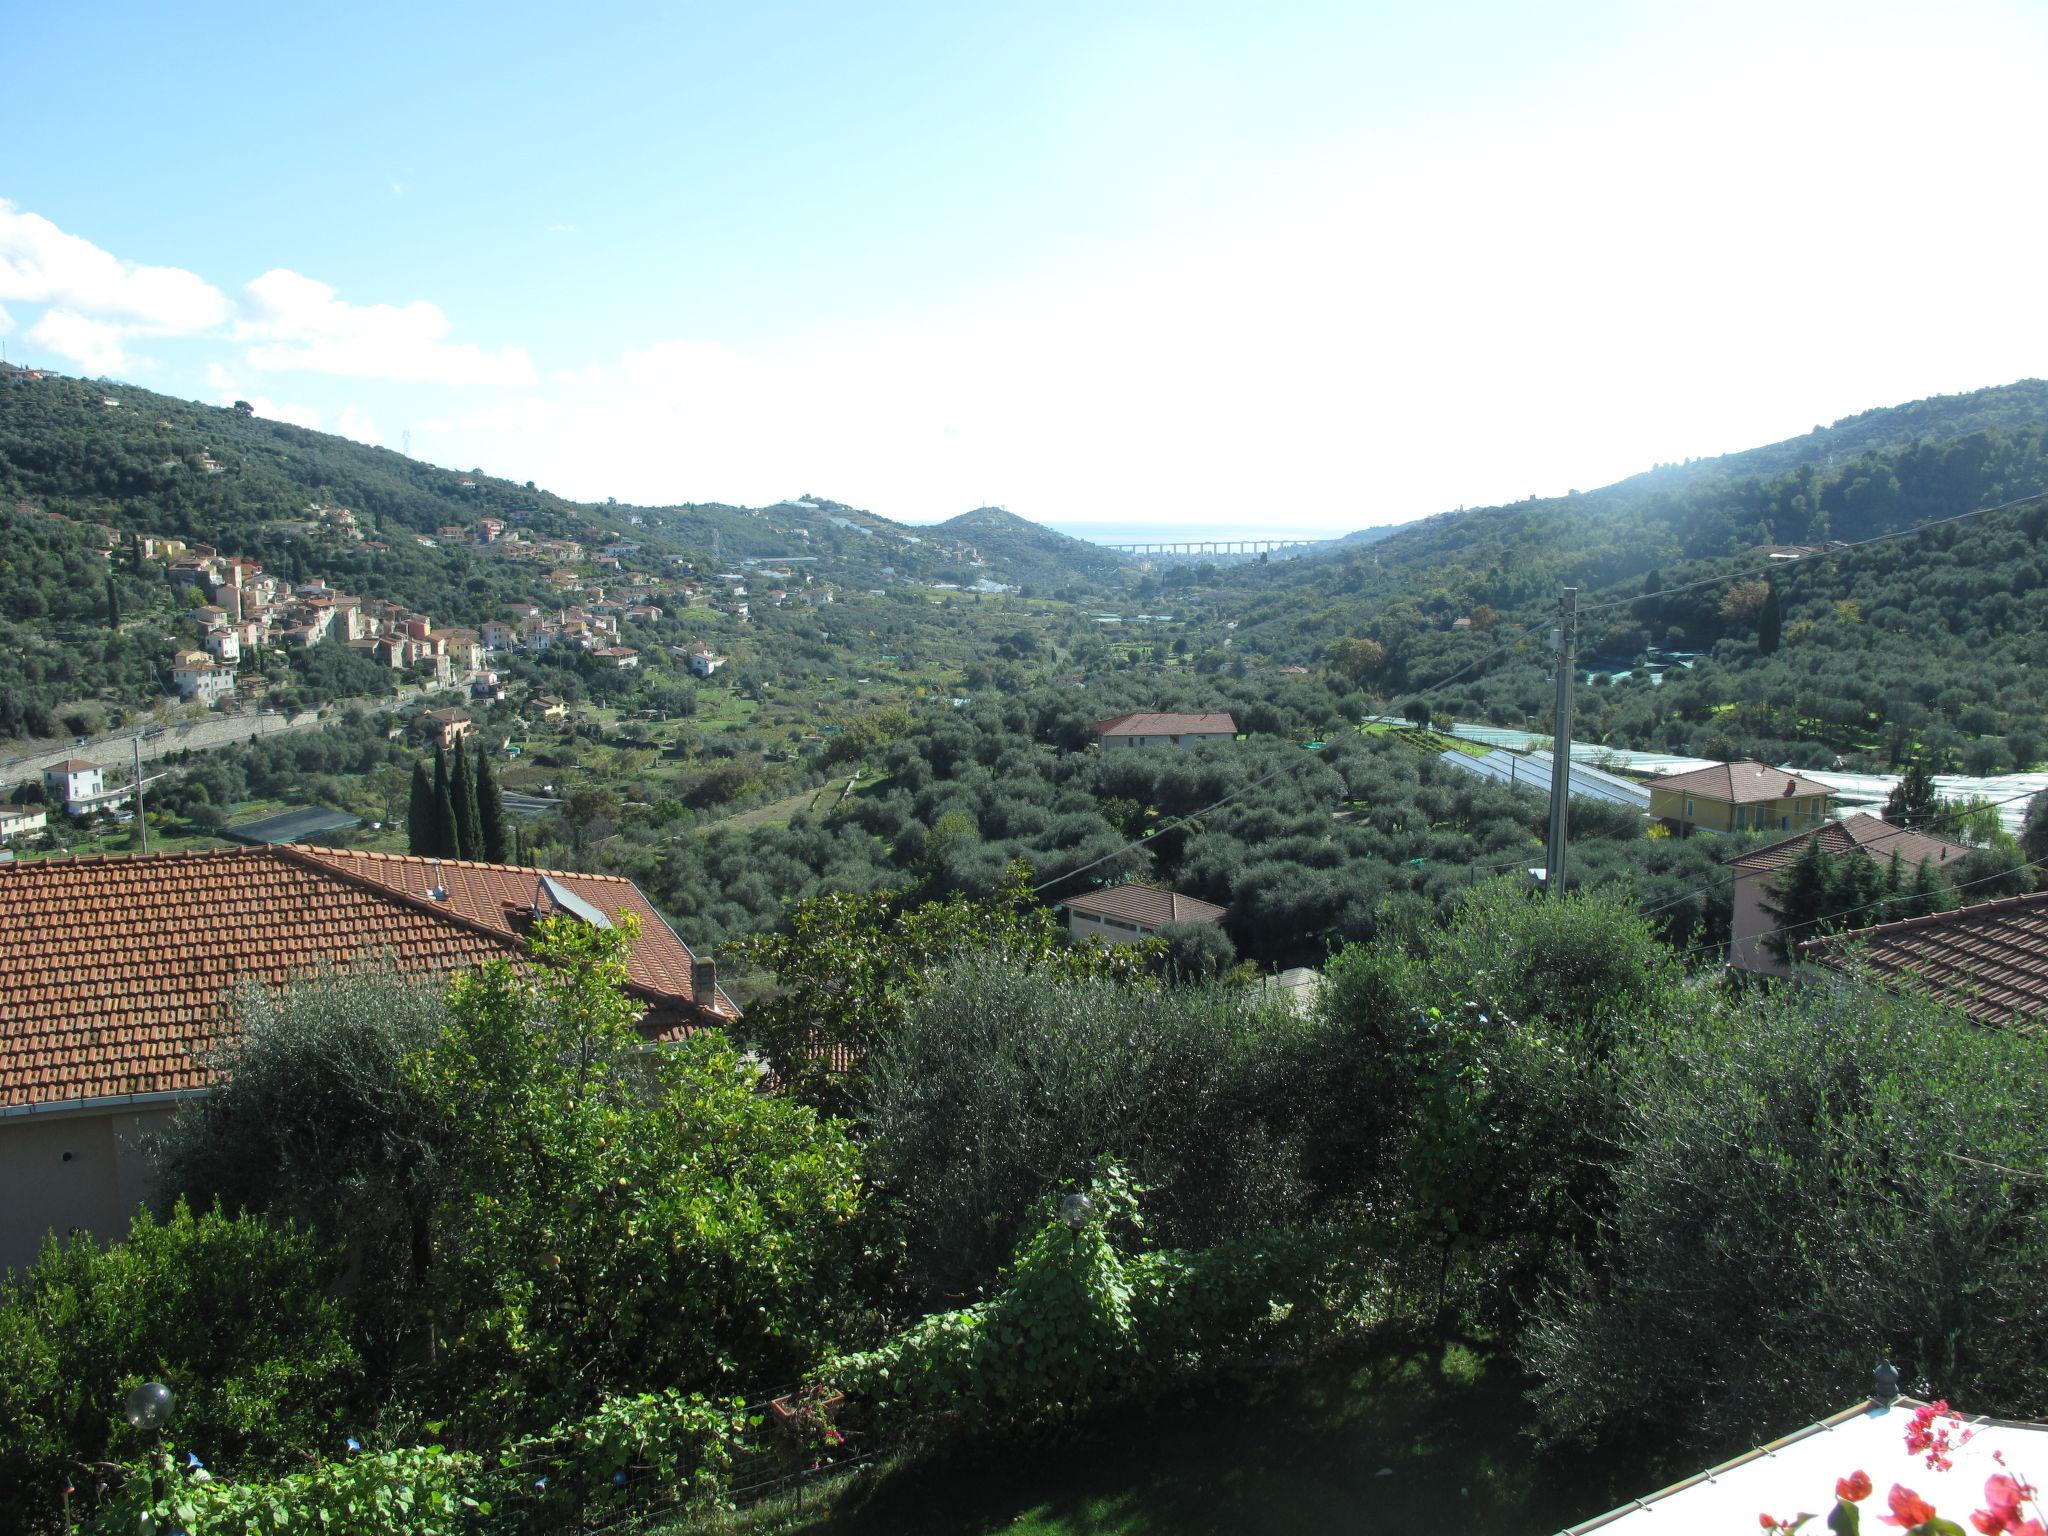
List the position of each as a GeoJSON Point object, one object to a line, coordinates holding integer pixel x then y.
{"type": "Point", "coordinates": [561, 229]}
{"type": "Point", "coordinates": [354, 423]}
{"type": "Point", "coordinates": [6, 322]}
{"type": "Point", "coordinates": [297, 415]}
{"type": "Point", "coordinates": [300, 324]}
{"type": "Point", "coordinates": [41, 264]}
{"type": "Point", "coordinates": [94, 345]}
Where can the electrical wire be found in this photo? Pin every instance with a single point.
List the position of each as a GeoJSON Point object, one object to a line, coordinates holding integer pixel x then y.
{"type": "Point", "coordinates": [1958, 813]}
{"type": "Point", "coordinates": [1881, 901]}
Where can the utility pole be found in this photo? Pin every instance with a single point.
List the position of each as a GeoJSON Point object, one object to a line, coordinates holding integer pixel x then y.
{"type": "Point", "coordinates": [141, 819]}
{"type": "Point", "coordinates": [1565, 640]}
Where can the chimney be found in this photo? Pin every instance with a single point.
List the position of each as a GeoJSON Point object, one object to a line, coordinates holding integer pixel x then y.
{"type": "Point", "coordinates": [704, 983]}
{"type": "Point", "coordinates": [437, 891]}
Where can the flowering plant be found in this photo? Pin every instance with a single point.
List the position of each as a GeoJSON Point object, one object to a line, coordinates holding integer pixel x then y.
{"type": "Point", "coordinates": [1931, 1435]}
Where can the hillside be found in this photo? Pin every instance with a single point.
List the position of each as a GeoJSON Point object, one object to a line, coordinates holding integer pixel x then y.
{"type": "Point", "coordinates": [1032, 555]}
{"type": "Point", "coordinates": [85, 466]}
{"type": "Point", "coordinates": [1913, 644]}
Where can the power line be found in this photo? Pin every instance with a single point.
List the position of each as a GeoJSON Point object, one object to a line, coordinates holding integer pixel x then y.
{"type": "Point", "coordinates": [1956, 814]}
{"type": "Point", "coordinates": [1881, 901]}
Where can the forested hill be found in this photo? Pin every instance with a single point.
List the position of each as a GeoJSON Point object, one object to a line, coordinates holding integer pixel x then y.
{"type": "Point", "coordinates": [1919, 643]}
{"type": "Point", "coordinates": [1032, 553]}
{"type": "Point", "coordinates": [1867, 474]}
{"type": "Point", "coordinates": [143, 462]}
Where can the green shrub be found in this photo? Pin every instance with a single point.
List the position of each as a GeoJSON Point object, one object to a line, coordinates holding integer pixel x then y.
{"type": "Point", "coordinates": [1078, 1322]}
{"type": "Point", "coordinates": [317, 1121]}
{"type": "Point", "coordinates": [1470, 1083]}
{"type": "Point", "coordinates": [1000, 1081]}
{"type": "Point", "coordinates": [613, 1218]}
{"type": "Point", "coordinates": [229, 1312]}
{"type": "Point", "coordinates": [412, 1492]}
{"type": "Point", "coordinates": [1812, 1182]}
{"type": "Point", "coordinates": [1197, 951]}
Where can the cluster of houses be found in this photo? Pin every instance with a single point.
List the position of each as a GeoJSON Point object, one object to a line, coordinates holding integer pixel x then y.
{"type": "Point", "coordinates": [245, 608]}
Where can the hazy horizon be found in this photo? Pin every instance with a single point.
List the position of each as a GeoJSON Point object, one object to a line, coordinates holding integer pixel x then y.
{"type": "Point", "coordinates": [1327, 266]}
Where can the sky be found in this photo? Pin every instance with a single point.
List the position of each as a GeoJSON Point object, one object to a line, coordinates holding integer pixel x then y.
{"type": "Point", "coordinates": [1186, 266]}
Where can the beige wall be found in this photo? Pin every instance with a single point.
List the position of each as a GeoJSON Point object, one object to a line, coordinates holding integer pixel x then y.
{"type": "Point", "coordinates": [1083, 925]}
{"type": "Point", "coordinates": [61, 1172]}
{"type": "Point", "coordinates": [1112, 742]}
{"type": "Point", "coordinates": [1749, 921]}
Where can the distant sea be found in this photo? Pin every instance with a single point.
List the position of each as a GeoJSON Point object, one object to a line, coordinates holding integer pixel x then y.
{"type": "Point", "coordinates": [1132, 533]}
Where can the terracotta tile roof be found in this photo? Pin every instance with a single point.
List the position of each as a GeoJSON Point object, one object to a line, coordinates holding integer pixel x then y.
{"type": "Point", "coordinates": [1872, 834]}
{"type": "Point", "coordinates": [115, 972]}
{"type": "Point", "coordinates": [1990, 960]}
{"type": "Point", "coordinates": [1742, 783]}
{"type": "Point", "coordinates": [1145, 904]}
{"type": "Point", "coordinates": [1167, 725]}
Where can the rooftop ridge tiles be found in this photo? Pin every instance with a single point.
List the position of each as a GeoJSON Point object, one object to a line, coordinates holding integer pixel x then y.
{"type": "Point", "coordinates": [1944, 920]}
{"type": "Point", "coordinates": [368, 854]}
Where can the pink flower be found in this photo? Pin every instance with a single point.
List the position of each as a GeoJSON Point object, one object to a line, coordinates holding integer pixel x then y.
{"type": "Point", "coordinates": [1927, 1433]}
{"type": "Point", "coordinates": [1855, 1487]}
{"type": "Point", "coordinates": [1908, 1508]}
{"type": "Point", "coordinates": [2005, 1495]}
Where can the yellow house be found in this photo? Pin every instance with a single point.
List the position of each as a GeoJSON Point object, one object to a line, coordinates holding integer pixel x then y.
{"type": "Point", "coordinates": [1739, 797]}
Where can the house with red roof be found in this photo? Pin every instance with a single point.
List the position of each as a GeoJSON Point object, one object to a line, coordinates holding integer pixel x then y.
{"type": "Point", "coordinates": [1125, 914]}
{"type": "Point", "coordinates": [1739, 797]}
{"type": "Point", "coordinates": [1164, 730]}
{"type": "Point", "coordinates": [1990, 960]}
{"type": "Point", "coordinates": [1758, 870]}
{"type": "Point", "coordinates": [118, 978]}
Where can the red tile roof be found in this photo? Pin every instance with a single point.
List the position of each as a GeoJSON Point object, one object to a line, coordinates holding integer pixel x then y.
{"type": "Point", "coordinates": [115, 972]}
{"type": "Point", "coordinates": [1167, 725]}
{"type": "Point", "coordinates": [1871, 834]}
{"type": "Point", "coordinates": [1742, 783]}
{"type": "Point", "coordinates": [1145, 904]}
{"type": "Point", "coordinates": [1990, 960]}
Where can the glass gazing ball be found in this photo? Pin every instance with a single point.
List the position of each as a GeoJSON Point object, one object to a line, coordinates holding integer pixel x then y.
{"type": "Point", "coordinates": [148, 1406]}
{"type": "Point", "coordinates": [1075, 1211]}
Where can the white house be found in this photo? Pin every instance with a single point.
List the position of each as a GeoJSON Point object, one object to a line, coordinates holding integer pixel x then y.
{"type": "Point", "coordinates": [224, 646]}
{"type": "Point", "coordinates": [1164, 730]}
{"type": "Point", "coordinates": [73, 782]}
{"type": "Point", "coordinates": [703, 660]}
{"type": "Point", "coordinates": [197, 676]}
{"type": "Point", "coordinates": [1798, 1473]}
{"type": "Point", "coordinates": [20, 820]}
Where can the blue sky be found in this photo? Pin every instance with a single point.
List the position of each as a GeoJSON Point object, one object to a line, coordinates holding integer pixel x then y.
{"type": "Point", "coordinates": [1257, 265]}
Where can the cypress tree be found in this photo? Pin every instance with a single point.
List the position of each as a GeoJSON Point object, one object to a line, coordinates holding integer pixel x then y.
{"type": "Point", "coordinates": [419, 813]}
{"type": "Point", "coordinates": [1798, 897]}
{"type": "Point", "coordinates": [490, 808]}
{"type": "Point", "coordinates": [469, 837]}
{"type": "Point", "coordinates": [113, 602]}
{"type": "Point", "coordinates": [1770, 623]}
{"type": "Point", "coordinates": [1912, 802]}
{"type": "Point", "coordinates": [444, 808]}
{"type": "Point", "coordinates": [1931, 893]}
